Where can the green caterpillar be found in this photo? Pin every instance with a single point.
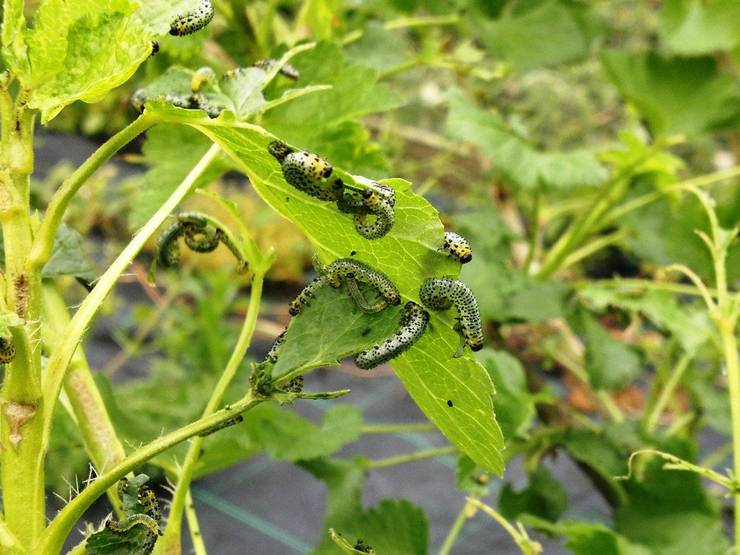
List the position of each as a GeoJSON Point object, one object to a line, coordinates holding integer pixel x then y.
{"type": "Point", "coordinates": [192, 21]}
{"type": "Point", "coordinates": [221, 425]}
{"type": "Point", "coordinates": [411, 327]}
{"type": "Point", "coordinates": [378, 200]}
{"type": "Point", "coordinates": [443, 293]}
{"type": "Point", "coordinates": [457, 247]}
{"type": "Point", "coordinates": [7, 350]}
{"type": "Point", "coordinates": [201, 77]}
{"type": "Point", "coordinates": [201, 234]}
{"type": "Point", "coordinates": [307, 172]}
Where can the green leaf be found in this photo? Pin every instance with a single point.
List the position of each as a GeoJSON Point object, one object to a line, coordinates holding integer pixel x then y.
{"type": "Point", "coordinates": [81, 49]}
{"type": "Point", "coordinates": [344, 481]}
{"type": "Point", "coordinates": [513, 157]}
{"type": "Point", "coordinates": [513, 403]}
{"type": "Point", "coordinates": [675, 95]}
{"type": "Point", "coordinates": [687, 323]}
{"type": "Point", "coordinates": [331, 328]}
{"type": "Point", "coordinates": [588, 538]}
{"type": "Point", "coordinates": [689, 27]}
{"type": "Point", "coordinates": [537, 34]}
{"type": "Point", "coordinates": [317, 121]}
{"type": "Point", "coordinates": [428, 370]}
{"type": "Point", "coordinates": [392, 527]}
{"type": "Point", "coordinates": [468, 477]}
{"type": "Point", "coordinates": [68, 257]}
{"type": "Point", "coordinates": [543, 497]}
{"type": "Point", "coordinates": [379, 47]}
{"type": "Point", "coordinates": [14, 50]}
{"type": "Point", "coordinates": [610, 363]}
{"type": "Point", "coordinates": [288, 436]}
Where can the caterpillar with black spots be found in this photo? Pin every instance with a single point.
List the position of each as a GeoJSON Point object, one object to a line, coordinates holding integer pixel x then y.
{"type": "Point", "coordinates": [307, 172]}
{"type": "Point", "coordinates": [442, 294]}
{"type": "Point", "coordinates": [346, 270]}
{"type": "Point", "coordinates": [233, 421]}
{"type": "Point", "coordinates": [201, 234]}
{"type": "Point", "coordinates": [192, 21]}
{"type": "Point", "coordinates": [411, 327]}
{"type": "Point", "coordinates": [377, 200]}
{"type": "Point", "coordinates": [457, 247]}
{"type": "Point", "coordinates": [7, 350]}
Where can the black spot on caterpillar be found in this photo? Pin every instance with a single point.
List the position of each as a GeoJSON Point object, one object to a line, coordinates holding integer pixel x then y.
{"type": "Point", "coordinates": [192, 21]}
{"type": "Point", "coordinates": [441, 294]}
{"type": "Point", "coordinates": [148, 501]}
{"type": "Point", "coordinates": [155, 48]}
{"type": "Point", "coordinates": [288, 70]}
{"type": "Point", "coordinates": [272, 354]}
{"type": "Point", "coordinates": [7, 350]}
{"type": "Point", "coordinates": [168, 250]}
{"type": "Point", "coordinates": [202, 76]}
{"type": "Point", "coordinates": [295, 385]}
{"type": "Point", "coordinates": [305, 296]}
{"type": "Point", "coordinates": [306, 171]}
{"type": "Point", "coordinates": [457, 247]}
{"type": "Point", "coordinates": [414, 320]}
{"type": "Point", "coordinates": [221, 425]}
{"type": "Point", "coordinates": [350, 272]}
{"type": "Point", "coordinates": [449, 403]}
{"type": "Point", "coordinates": [378, 201]}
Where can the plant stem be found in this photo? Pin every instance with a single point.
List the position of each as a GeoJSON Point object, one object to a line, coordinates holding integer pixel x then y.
{"type": "Point", "coordinates": [525, 544]}
{"type": "Point", "coordinates": [89, 410]}
{"type": "Point", "coordinates": [199, 546]}
{"type": "Point", "coordinates": [729, 347]}
{"type": "Point", "coordinates": [632, 283]}
{"type": "Point", "coordinates": [82, 319]}
{"type": "Point", "coordinates": [411, 457]}
{"type": "Point", "coordinates": [53, 537]}
{"type": "Point", "coordinates": [591, 247]}
{"type": "Point", "coordinates": [534, 236]}
{"type": "Point", "coordinates": [171, 541]}
{"type": "Point", "coordinates": [457, 527]}
{"type": "Point", "coordinates": [665, 394]}
{"type": "Point", "coordinates": [44, 242]}
{"type": "Point", "coordinates": [397, 428]}
{"type": "Point", "coordinates": [22, 406]}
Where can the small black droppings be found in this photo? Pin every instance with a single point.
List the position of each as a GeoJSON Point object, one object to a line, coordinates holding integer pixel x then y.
{"type": "Point", "coordinates": [366, 331]}
{"type": "Point", "coordinates": [287, 199]}
{"type": "Point", "coordinates": [353, 253]}
{"type": "Point", "coordinates": [449, 403]}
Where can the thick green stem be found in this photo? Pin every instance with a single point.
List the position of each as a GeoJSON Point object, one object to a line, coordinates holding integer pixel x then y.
{"type": "Point", "coordinates": [729, 347]}
{"type": "Point", "coordinates": [171, 542]}
{"type": "Point", "coordinates": [53, 537]}
{"type": "Point", "coordinates": [398, 428]}
{"type": "Point", "coordinates": [59, 361]}
{"type": "Point", "coordinates": [22, 407]}
{"type": "Point", "coordinates": [196, 537]}
{"type": "Point", "coordinates": [44, 242]}
{"type": "Point", "coordinates": [94, 423]}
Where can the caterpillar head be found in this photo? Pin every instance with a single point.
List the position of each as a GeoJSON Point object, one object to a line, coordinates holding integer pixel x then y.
{"type": "Point", "coordinates": [279, 150]}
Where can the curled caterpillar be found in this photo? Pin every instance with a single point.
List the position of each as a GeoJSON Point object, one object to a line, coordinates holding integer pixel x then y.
{"type": "Point", "coordinates": [306, 171]}
{"type": "Point", "coordinates": [414, 320]}
{"type": "Point", "coordinates": [305, 296]}
{"type": "Point", "coordinates": [201, 233]}
{"type": "Point", "coordinates": [457, 247]}
{"type": "Point", "coordinates": [351, 271]}
{"type": "Point", "coordinates": [377, 200]}
{"type": "Point", "coordinates": [221, 425]}
{"type": "Point", "coordinates": [129, 522]}
{"type": "Point", "coordinates": [192, 21]}
{"type": "Point", "coordinates": [201, 77]}
{"type": "Point", "coordinates": [443, 293]}
{"type": "Point", "coordinates": [288, 70]}
{"type": "Point", "coordinates": [7, 350]}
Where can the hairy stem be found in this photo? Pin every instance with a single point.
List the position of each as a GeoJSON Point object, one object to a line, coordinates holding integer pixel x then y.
{"type": "Point", "coordinates": [82, 319]}
{"type": "Point", "coordinates": [44, 241]}
{"type": "Point", "coordinates": [196, 537]}
{"type": "Point", "coordinates": [89, 410]}
{"type": "Point", "coordinates": [171, 542]}
{"type": "Point", "coordinates": [63, 523]}
{"type": "Point", "coordinates": [668, 389]}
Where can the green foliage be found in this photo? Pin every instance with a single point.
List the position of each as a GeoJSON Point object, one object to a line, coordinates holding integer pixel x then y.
{"type": "Point", "coordinates": [675, 95]}
{"type": "Point", "coordinates": [287, 436]}
{"type": "Point", "coordinates": [691, 28]}
{"type": "Point", "coordinates": [513, 157]}
{"type": "Point", "coordinates": [544, 497]}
